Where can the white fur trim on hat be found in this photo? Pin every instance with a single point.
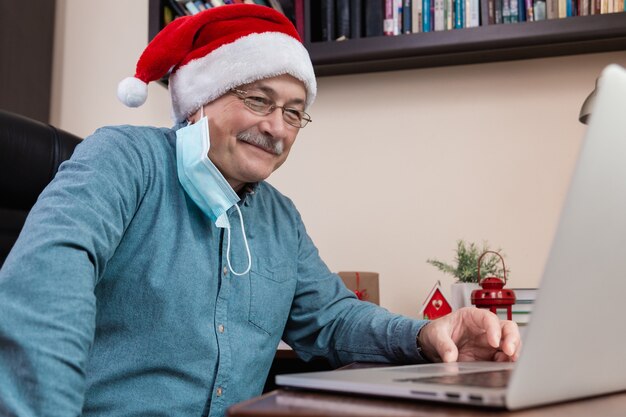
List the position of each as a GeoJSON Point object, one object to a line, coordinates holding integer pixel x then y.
{"type": "Point", "coordinates": [250, 58]}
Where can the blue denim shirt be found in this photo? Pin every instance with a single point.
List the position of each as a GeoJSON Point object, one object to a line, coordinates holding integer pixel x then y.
{"type": "Point", "coordinates": [117, 299]}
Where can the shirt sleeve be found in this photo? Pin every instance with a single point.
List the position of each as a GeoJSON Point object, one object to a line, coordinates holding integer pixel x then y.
{"type": "Point", "coordinates": [47, 301]}
{"type": "Point", "coordinates": [327, 320]}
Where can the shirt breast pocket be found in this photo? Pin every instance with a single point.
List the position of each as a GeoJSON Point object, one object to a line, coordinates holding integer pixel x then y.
{"type": "Point", "coordinates": [272, 288]}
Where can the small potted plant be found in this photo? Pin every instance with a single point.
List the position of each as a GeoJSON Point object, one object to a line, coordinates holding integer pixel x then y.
{"type": "Point", "coordinates": [465, 270]}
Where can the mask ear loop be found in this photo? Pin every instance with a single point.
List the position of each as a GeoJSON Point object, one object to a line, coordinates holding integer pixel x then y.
{"type": "Point", "coordinates": [245, 241]}
{"type": "Point", "coordinates": [243, 232]}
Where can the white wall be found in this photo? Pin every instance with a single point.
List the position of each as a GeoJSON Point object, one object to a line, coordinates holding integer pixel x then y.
{"type": "Point", "coordinates": [396, 166]}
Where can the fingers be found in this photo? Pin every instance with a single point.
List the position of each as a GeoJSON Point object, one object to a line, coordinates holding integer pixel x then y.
{"type": "Point", "coordinates": [490, 324]}
{"type": "Point", "coordinates": [511, 343]}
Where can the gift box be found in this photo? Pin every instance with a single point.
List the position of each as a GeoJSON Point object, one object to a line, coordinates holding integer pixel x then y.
{"type": "Point", "coordinates": [363, 284]}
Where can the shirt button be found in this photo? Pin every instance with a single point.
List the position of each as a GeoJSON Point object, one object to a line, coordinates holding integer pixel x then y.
{"type": "Point", "coordinates": [219, 391]}
{"type": "Point", "coordinates": [220, 328]}
{"type": "Point", "coordinates": [225, 271]}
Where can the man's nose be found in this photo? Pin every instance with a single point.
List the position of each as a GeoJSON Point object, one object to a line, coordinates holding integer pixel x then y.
{"type": "Point", "coordinates": [274, 124]}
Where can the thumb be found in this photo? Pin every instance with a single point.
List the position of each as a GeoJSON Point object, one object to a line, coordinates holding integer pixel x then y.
{"type": "Point", "coordinates": [437, 343]}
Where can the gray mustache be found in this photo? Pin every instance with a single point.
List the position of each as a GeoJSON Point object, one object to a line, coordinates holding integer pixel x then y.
{"type": "Point", "coordinates": [263, 141]}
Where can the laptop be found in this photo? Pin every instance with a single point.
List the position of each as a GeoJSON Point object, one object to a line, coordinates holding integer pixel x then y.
{"type": "Point", "coordinates": [575, 343]}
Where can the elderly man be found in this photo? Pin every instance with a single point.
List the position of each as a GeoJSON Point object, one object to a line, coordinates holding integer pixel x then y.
{"type": "Point", "coordinates": [158, 271]}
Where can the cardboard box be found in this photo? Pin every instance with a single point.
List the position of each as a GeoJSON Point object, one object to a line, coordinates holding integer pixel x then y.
{"type": "Point", "coordinates": [363, 284]}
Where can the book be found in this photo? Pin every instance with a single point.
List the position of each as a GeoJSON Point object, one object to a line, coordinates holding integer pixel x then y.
{"type": "Point", "coordinates": [474, 13]}
{"type": "Point", "coordinates": [168, 15]}
{"type": "Point", "coordinates": [448, 14]}
{"type": "Point", "coordinates": [407, 16]}
{"type": "Point", "coordinates": [439, 15]}
{"type": "Point", "coordinates": [388, 23]}
{"type": "Point", "coordinates": [178, 9]}
{"type": "Point", "coordinates": [416, 19]}
{"type": "Point", "coordinates": [552, 9]}
{"type": "Point", "coordinates": [530, 14]}
{"type": "Point", "coordinates": [458, 14]}
{"type": "Point", "coordinates": [528, 295]}
{"type": "Point", "coordinates": [275, 4]}
{"type": "Point", "coordinates": [397, 17]}
{"type": "Point", "coordinates": [191, 7]}
{"type": "Point", "coordinates": [426, 15]}
{"type": "Point", "coordinates": [200, 5]}
{"type": "Point", "coordinates": [374, 17]}
{"type": "Point", "coordinates": [487, 16]}
{"type": "Point", "coordinates": [327, 12]}
{"type": "Point", "coordinates": [539, 9]}
{"type": "Point", "coordinates": [356, 18]}
{"type": "Point", "coordinates": [506, 11]}
{"type": "Point", "coordinates": [342, 19]}
{"type": "Point", "coordinates": [298, 11]}
{"type": "Point", "coordinates": [521, 10]}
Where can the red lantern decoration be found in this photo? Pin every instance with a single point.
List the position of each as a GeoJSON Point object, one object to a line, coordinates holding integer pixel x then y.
{"type": "Point", "coordinates": [493, 294]}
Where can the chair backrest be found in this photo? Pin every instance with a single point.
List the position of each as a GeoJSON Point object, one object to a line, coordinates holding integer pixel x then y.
{"type": "Point", "coordinates": [30, 155]}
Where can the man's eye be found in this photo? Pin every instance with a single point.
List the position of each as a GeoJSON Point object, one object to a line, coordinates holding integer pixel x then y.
{"type": "Point", "coordinates": [258, 101]}
{"type": "Point", "coordinates": [293, 114]}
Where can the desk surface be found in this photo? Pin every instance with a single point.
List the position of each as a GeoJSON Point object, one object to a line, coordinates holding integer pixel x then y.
{"type": "Point", "coordinates": [316, 404]}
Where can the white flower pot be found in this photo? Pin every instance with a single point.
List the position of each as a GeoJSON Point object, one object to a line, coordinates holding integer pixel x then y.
{"type": "Point", "coordinates": [462, 294]}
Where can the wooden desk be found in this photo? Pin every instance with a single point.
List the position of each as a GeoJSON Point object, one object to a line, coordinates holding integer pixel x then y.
{"type": "Point", "coordinates": [315, 404]}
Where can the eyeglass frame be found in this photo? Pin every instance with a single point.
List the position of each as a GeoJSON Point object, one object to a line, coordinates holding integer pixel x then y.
{"type": "Point", "coordinates": [304, 119]}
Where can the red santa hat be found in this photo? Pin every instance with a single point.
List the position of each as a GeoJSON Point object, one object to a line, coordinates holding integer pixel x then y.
{"type": "Point", "coordinates": [216, 50]}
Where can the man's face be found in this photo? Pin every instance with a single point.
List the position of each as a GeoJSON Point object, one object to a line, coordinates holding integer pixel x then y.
{"type": "Point", "coordinates": [245, 146]}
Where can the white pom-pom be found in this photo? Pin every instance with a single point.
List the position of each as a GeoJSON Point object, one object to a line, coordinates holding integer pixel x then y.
{"type": "Point", "coordinates": [132, 91]}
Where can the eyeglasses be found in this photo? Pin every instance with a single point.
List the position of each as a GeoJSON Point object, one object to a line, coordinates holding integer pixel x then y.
{"type": "Point", "coordinates": [263, 106]}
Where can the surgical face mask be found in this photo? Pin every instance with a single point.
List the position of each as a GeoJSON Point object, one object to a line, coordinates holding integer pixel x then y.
{"type": "Point", "coordinates": [204, 183]}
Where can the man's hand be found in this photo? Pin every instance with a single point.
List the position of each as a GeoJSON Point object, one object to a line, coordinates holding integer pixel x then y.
{"type": "Point", "coordinates": [470, 334]}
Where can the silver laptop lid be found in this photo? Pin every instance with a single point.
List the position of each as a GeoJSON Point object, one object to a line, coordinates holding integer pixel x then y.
{"type": "Point", "coordinates": [583, 290]}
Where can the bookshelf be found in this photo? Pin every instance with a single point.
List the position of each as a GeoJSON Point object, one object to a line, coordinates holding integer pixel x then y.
{"type": "Point", "coordinates": [490, 43]}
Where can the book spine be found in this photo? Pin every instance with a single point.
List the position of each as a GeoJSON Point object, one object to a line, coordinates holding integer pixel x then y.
{"type": "Point", "coordinates": [475, 13]}
{"type": "Point", "coordinates": [177, 8]}
{"type": "Point", "coordinates": [540, 10]}
{"type": "Point", "coordinates": [192, 8]}
{"type": "Point", "coordinates": [356, 16]}
{"type": "Point", "coordinates": [407, 16]}
{"type": "Point", "coordinates": [530, 13]}
{"type": "Point", "coordinates": [604, 6]}
{"type": "Point", "coordinates": [328, 20]}
{"type": "Point", "coordinates": [506, 11]}
{"type": "Point", "coordinates": [439, 19]}
{"type": "Point", "coordinates": [397, 17]}
{"type": "Point", "coordinates": [416, 20]}
{"type": "Point", "coordinates": [449, 14]}
{"type": "Point", "coordinates": [552, 11]}
{"type": "Point", "coordinates": [514, 11]}
{"type": "Point", "coordinates": [426, 15]}
{"type": "Point", "coordinates": [342, 19]}
{"type": "Point", "coordinates": [458, 17]}
{"type": "Point", "coordinates": [374, 17]}
{"type": "Point", "coordinates": [388, 22]}
{"type": "Point", "coordinates": [298, 10]}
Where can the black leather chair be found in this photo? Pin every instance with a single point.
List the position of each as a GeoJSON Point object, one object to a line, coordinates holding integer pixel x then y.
{"type": "Point", "coordinates": [30, 155]}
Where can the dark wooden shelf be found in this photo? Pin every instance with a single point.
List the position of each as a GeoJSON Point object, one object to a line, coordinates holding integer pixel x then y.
{"type": "Point", "coordinates": [504, 42]}
{"type": "Point", "coordinates": [574, 35]}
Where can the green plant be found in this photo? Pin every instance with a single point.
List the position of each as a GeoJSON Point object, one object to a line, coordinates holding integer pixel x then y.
{"type": "Point", "coordinates": [466, 269]}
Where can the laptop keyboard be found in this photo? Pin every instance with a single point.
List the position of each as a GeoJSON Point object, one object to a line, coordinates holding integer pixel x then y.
{"type": "Point", "coordinates": [488, 379]}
